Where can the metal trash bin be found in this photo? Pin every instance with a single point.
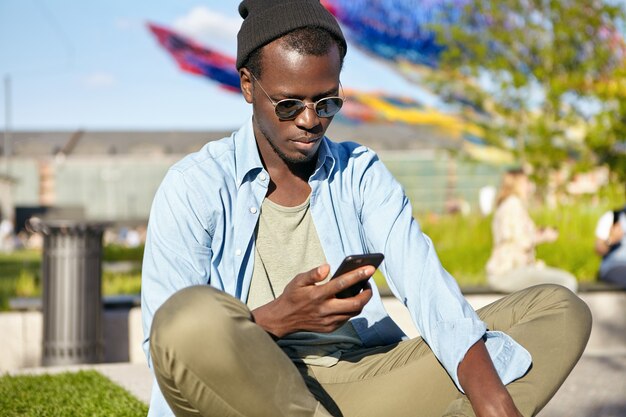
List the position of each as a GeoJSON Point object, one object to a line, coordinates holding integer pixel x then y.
{"type": "Point", "coordinates": [72, 292]}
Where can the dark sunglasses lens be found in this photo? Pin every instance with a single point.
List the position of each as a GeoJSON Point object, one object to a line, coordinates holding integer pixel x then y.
{"type": "Point", "coordinates": [287, 109]}
{"type": "Point", "coordinates": [328, 107]}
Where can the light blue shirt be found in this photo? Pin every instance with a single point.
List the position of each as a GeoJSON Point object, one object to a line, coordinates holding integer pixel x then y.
{"type": "Point", "coordinates": [201, 231]}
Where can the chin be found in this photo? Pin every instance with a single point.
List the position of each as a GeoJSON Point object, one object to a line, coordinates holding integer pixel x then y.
{"type": "Point", "coordinates": [298, 159]}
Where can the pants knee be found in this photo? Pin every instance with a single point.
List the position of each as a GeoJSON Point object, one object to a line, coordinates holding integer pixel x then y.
{"type": "Point", "coordinates": [571, 305]}
{"type": "Point", "coordinates": [194, 311]}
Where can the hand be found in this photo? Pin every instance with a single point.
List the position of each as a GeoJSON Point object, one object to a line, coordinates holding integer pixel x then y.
{"type": "Point", "coordinates": [307, 305]}
{"type": "Point", "coordinates": [548, 234]}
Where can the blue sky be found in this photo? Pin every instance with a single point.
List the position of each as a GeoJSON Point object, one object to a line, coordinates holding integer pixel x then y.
{"type": "Point", "coordinates": [93, 64]}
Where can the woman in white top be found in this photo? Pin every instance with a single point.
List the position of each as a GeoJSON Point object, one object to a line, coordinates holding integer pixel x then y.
{"type": "Point", "coordinates": [512, 265]}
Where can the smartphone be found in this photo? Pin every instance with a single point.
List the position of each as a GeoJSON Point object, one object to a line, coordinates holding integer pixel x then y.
{"type": "Point", "coordinates": [616, 214]}
{"type": "Point", "coordinates": [353, 262]}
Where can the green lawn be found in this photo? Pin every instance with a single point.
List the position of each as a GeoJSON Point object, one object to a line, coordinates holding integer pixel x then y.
{"type": "Point", "coordinates": [464, 243]}
{"type": "Point", "coordinates": [85, 393]}
{"type": "Point", "coordinates": [20, 274]}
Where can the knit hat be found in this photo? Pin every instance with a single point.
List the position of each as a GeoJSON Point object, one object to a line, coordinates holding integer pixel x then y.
{"type": "Point", "coordinates": [267, 20]}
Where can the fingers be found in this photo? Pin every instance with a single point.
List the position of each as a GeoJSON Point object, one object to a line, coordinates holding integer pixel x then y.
{"type": "Point", "coordinates": [348, 279]}
{"type": "Point", "coordinates": [352, 305]}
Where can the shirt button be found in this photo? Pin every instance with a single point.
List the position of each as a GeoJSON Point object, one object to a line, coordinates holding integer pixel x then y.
{"type": "Point", "coordinates": [238, 252]}
{"type": "Point", "coordinates": [253, 210]}
{"type": "Point", "coordinates": [262, 176]}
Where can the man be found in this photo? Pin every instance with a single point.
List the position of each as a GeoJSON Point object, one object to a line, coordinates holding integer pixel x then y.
{"type": "Point", "coordinates": [611, 246]}
{"type": "Point", "coordinates": [265, 215]}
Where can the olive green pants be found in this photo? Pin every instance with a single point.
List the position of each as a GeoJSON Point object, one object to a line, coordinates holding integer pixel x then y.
{"type": "Point", "coordinates": [210, 359]}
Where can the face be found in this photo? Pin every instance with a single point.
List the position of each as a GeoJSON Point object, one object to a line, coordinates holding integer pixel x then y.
{"type": "Point", "coordinates": [288, 74]}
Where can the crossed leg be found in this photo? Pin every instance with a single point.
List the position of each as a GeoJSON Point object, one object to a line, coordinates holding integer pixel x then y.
{"type": "Point", "coordinates": [210, 359]}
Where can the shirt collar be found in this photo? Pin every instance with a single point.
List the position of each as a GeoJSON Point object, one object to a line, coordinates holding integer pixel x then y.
{"type": "Point", "coordinates": [324, 157]}
{"type": "Point", "coordinates": [246, 152]}
{"type": "Point", "coordinates": [248, 158]}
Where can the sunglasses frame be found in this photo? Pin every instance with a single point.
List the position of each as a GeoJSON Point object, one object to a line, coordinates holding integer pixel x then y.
{"type": "Point", "coordinates": [304, 105]}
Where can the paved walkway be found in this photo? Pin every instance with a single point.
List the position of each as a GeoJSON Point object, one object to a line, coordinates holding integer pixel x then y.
{"type": "Point", "coordinates": [596, 387]}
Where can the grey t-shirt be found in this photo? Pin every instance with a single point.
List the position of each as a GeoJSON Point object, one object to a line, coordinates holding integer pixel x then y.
{"type": "Point", "coordinates": [286, 245]}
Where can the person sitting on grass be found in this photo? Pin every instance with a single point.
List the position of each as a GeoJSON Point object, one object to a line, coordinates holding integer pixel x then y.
{"type": "Point", "coordinates": [512, 265]}
{"type": "Point", "coordinates": [239, 314]}
{"type": "Point", "coordinates": [610, 244]}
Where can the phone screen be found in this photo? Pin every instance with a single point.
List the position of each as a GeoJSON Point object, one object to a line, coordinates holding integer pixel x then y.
{"type": "Point", "coordinates": [353, 262]}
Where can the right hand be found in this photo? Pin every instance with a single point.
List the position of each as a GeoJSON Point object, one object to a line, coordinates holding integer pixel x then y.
{"type": "Point", "coordinates": [307, 305]}
{"type": "Point", "coordinates": [548, 234]}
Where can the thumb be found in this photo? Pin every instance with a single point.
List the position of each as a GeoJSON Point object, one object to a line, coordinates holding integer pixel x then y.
{"type": "Point", "coordinates": [315, 275]}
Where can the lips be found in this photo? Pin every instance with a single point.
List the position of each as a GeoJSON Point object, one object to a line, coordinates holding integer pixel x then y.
{"type": "Point", "coordinates": [307, 140]}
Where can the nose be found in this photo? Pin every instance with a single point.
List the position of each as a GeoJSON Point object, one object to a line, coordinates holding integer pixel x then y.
{"type": "Point", "coordinates": [307, 118]}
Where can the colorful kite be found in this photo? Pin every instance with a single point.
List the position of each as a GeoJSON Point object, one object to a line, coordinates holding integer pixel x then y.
{"type": "Point", "coordinates": [396, 30]}
{"type": "Point", "coordinates": [196, 59]}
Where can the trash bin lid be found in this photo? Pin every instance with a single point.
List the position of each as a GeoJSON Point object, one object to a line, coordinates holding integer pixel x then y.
{"type": "Point", "coordinates": [60, 226]}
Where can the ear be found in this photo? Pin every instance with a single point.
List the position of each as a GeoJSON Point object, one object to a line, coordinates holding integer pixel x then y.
{"type": "Point", "coordinates": [245, 80]}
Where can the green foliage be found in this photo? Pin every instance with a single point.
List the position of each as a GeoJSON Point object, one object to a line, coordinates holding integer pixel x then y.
{"type": "Point", "coordinates": [85, 393]}
{"type": "Point", "coordinates": [26, 284]}
{"type": "Point", "coordinates": [574, 249]}
{"type": "Point", "coordinates": [607, 135]}
{"type": "Point", "coordinates": [462, 243]}
{"type": "Point", "coordinates": [16, 270]}
{"type": "Point", "coordinates": [117, 283]}
{"type": "Point", "coordinates": [532, 66]}
{"type": "Point", "coordinates": [117, 253]}
{"type": "Point", "coordinates": [20, 274]}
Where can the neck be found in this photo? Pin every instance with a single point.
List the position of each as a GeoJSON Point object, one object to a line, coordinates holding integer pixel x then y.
{"type": "Point", "coordinates": [289, 182]}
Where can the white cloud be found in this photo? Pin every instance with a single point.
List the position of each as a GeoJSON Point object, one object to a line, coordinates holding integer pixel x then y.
{"type": "Point", "coordinates": [209, 28]}
{"type": "Point", "coordinates": [124, 23]}
{"type": "Point", "coordinates": [99, 79]}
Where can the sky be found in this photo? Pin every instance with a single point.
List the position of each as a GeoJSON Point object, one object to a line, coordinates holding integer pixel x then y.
{"type": "Point", "coordinates": [93, 64]}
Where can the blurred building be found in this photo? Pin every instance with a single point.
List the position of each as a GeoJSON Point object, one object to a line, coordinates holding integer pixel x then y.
{"type": "Point", "coordinates": [113, 175]}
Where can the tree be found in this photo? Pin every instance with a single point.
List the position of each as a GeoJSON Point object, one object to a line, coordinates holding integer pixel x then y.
{"type": "Point", "coordinates": [607, 134]}
{"type": "Point", "coordinates": [532, 69]}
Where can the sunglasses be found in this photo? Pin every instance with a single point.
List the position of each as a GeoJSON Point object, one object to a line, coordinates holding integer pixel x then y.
{"type": "Point", "coordinates": [289, 108]}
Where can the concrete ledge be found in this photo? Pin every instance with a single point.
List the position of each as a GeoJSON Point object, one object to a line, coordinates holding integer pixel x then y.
{"type": "Point", "coordinates": [23, 336]}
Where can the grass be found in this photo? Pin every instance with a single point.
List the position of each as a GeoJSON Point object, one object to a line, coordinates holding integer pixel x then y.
{"type": "Point", "coordinates": [20, 274]}
{"type": "Point", "coordinates": [464, 243]}
{"type": "Point", "coordinates": [85, 393]}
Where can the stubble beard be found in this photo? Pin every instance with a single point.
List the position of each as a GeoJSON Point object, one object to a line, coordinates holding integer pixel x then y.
{"type": "Point", "coordinates": [289, 160]}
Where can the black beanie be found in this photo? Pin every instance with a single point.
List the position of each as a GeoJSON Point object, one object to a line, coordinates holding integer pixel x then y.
{"type": "Point", "coordinates": [267, 20]}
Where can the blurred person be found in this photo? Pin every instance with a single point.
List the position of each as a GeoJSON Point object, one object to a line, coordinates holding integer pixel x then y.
{"type": "Point", "coordinates": [486, 199]}
{"type": "Point", "coordinates": [611, 246]}
{"type": "Point", "coordinates": [7, 234]}
{"type": "Point", "coordinates": [133, 238]}
{"type": "Point", "coordinates": [240, 315]}
{"type": "Point", "coordinates": [512, 265]}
